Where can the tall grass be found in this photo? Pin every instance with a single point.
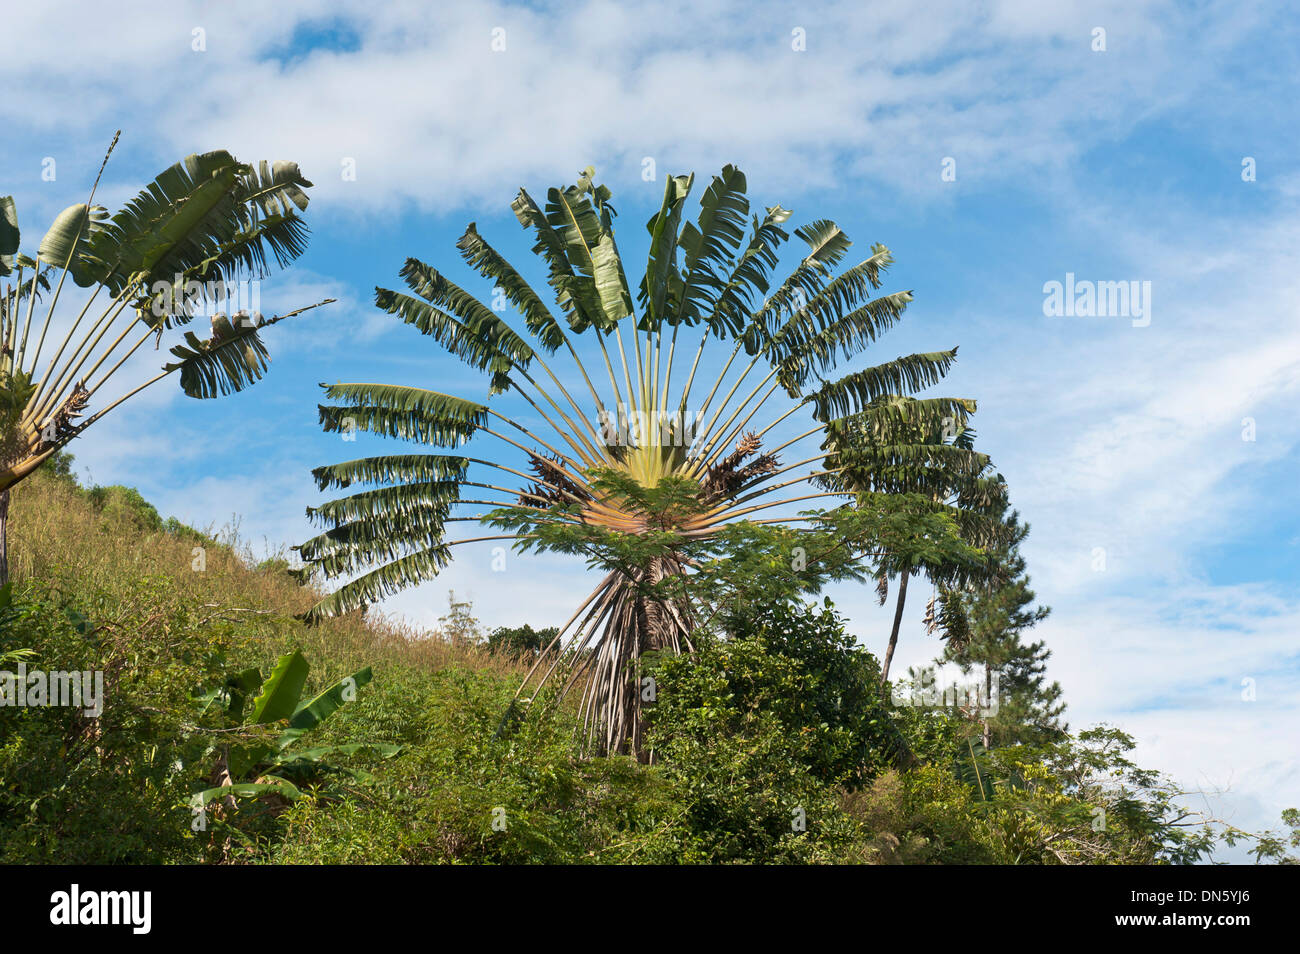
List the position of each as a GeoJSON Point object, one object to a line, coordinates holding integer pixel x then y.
{"type": "Point", "coordinates": [57, 535]}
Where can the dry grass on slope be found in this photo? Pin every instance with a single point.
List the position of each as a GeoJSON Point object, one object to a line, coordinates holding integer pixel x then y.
{"type": "Point", "coordinates": [58, 536]}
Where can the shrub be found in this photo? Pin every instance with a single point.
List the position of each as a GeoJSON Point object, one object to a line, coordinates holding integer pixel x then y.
{"type": "Point", "coordinates": [75, 789]}
{"type": "Point", "coordinates": [521, 640]}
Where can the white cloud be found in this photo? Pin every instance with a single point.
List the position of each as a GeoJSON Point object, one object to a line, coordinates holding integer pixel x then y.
{"type": "Point", "coordinates": [432, 114]}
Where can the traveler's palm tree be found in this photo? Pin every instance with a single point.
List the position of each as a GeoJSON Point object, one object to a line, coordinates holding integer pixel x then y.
{"type": "Point", "coordinates": [207, 219]}
{"type": "Point", "coordinates": [602, 446]}
{"type": "Point", "coordinates": [905, 445]}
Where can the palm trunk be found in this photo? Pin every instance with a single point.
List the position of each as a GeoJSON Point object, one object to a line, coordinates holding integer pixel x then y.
{"type": "Point", "coordinates": [898, 620]}
{"type": "Point", "coordinates": [4, 537]}
{"type": "Point", "coordinates": [613, 708]}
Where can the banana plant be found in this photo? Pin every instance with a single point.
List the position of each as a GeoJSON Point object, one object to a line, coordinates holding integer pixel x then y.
{"type": "Point", "coordinates": [270, 717]}
{"type": "Point", "coordinates": [594, 453]}
{"type": "Point", "coordinates": [200, 225]}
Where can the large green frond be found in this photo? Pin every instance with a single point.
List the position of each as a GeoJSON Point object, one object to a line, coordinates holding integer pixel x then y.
{"type": "Point", "coordinates": [589, 246]}
{"type": "Point", "coordinates": [710, 247]}
{"type": "Point", "coordinates": [69, 239]}
{"type": "Point", "coordinates": [400, 501]}
{"type": "Point", "coordinates": [490, 264]}
{"type": "Point", "coordinates": [575, 294]}
{"type": "Point", "coordinates": [855, 391]}
{"type": "Point", "coordinates": [661, 288]}
{"type": "Point", "coordinates": [800, 349]}
{"type": "Point", "coordinates": [390, 469]}
{"type": "Point", "coordinates": [409, 570]}
{"type": "Point", "coordinates": [396, 411]}
{"type": "Point", "coordinates": [476, 334]}
{"type": "Point", "coordinates": [750, 276]}
{"type": "Point", "coordinates": [378, 525]}
{"type": "Point", "coordinates": [827, 244]}
{"type": "Point", "coordinates": [207, 215]}
{"type": "Point", "coordinates": [232, 359]}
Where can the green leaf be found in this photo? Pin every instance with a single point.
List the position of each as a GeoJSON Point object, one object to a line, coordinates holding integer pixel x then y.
{"type": "Point", "coordinates": [662, 279]}
{"type": "Point", "coordinates": [476, 334]}
{"type": "Point", "coordinates": [69, 240]}
{"type": "Point", "coordinates": [590, 248]}
{"type": "Point", "coordinates": [854, 392]}
{"type": "Point", "coordinates": [208, 215]}
{"type": "Point", "coordinates": [9, 234]}
{"type": "Point", "coordinates": [490, 264]}
{"type": "Point", "coordinates": [313, 713]}
{"type": "Point", "coordinates": [575, 295]}
{"type": "Point", "coordinates": [384, 581]}
{"type": "Point", "coordinates": [397, 411]}
{"type": "Point", "coordinates": [232, 359]}
{"type": "Point", "coordinates": [277, 786]}
{"type": "Point", "coordinates": [392, 469]}
{"type": "Point", "coordinates": [750, 274]}
{"type": "Point", "coordinates": [281, 691]}
{"type": "Point", "coordinates": [384, 749]}
{"type": "Point", "coordinates": [710, 246]}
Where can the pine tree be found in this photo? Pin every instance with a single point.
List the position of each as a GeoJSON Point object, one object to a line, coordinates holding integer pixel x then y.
{"type": "Point", "coordinates": [986, 636]}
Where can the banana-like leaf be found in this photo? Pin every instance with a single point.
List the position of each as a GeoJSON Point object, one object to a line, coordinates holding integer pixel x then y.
{"type": "Point", "coordinates": [207, 213]}
{"type": "Point", "coordinates": [661, 288]}
{"type": "Point", "coordinates": [827, 244]}
{"type": "Point", "coordinates": [405, 412]}
{"type": "Point", "coordinates": [575, 294]}
{"type": "Point", "coordinates": [278, 699]}
{"type": "Point", "coordinates": [889, 418]}
{"type": "Point", "coordinates": [312, 713]}
{"type": "Point", "coordinates": [855, 391]}
{"type": "Point", "coordinates": [391, 469]}
{"type": "Point", "coordinates": [281, 691]}
{"type": "Point", "coordinates": [490, 264]}
{"type": "Point", "coordinates": [799, 354]}
{"type": "Point", "coordinates": [231, 360]}
{"type": "Point", "coordinates": [9, 234]}
{"type": "Point", "coordinates": [356, 546]}
{"type": "Point", "coordinates": [70, 238]}
{"type": "Point", "coordinates": [406, 498]}
{"type": "Point", "coordinates": [384, 581]}
{"type": "Point", "coordinates": [376, 536]}
{"type": "Point", "coordinates": [731, 315]}
{"type": "Point", "coordinates": [276, 786]}
{"type": "Point", "coordinates": [590, 248]}
{"type": "Point", "coordinates": [476, 334]}
{"type": "Point", "coordinates": [226, 362]}
{"type": "Point", "coordinates": [710, 247]}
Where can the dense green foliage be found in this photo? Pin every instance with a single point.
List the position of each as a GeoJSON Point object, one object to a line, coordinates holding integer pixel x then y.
{"type": "Point", "coordinates": [771, 744]}
{"type": "Point", "coordinates": [106, 790]}
{"type": "Point", "coordinates": [521, 640]}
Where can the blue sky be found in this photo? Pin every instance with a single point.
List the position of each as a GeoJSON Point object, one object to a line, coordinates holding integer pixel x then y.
{"type": "Point", "coordinates": [1122, 164]}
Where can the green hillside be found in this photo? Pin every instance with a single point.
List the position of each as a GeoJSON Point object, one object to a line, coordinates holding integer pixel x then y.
{"type": "Point", "coordinates": [766, 747]}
